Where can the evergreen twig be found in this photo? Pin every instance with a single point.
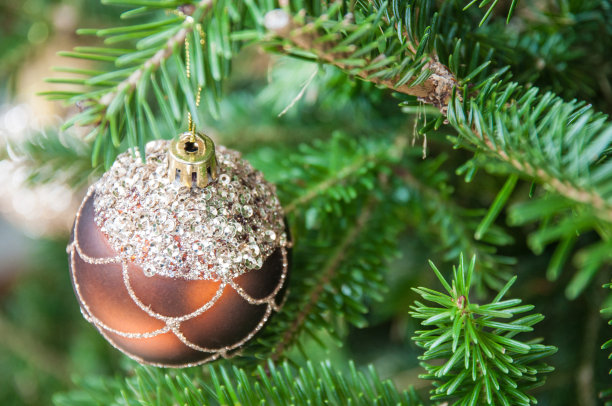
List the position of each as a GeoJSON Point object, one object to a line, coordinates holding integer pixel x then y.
{"type": "Point", "coordinates": [280, 384]}
{"type": "Point", "coordinates": [153, 63]}
{"type": "Point", "coordinates": [432, 84]}
{"type": "Point", "coordinates": [482, 362]}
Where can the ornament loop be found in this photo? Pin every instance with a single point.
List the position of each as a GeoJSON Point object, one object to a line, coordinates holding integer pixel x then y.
{"type": "Point", "coordinates": [192, 160]}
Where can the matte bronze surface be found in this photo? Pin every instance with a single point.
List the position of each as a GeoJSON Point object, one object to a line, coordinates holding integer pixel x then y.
{"type": "Point", "coordinates": [104, 292]}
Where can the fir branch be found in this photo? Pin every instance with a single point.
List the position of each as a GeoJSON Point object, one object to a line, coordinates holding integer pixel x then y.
{"type": "Point", "coordinates": [52, 156]}
{"type": "Point", "coordinates": [334, 47]}
{"type": "Point", "coordinates": [560, 145]}
{"type": "Point", "coordinates": [175, 42]}
{"type": "Point", "coordinates": [456, 226]}
{"type": "Point", "coordinates": [431, 82]}
{"type": "Point", "coordinates": [343, 240]}
{"type": "Point", "coordinates": [326, 184]}
{"type": "Point", "coordinates": [482, 362]}
{"type": "Point", "coordinates": [560, 220]}
{"type": "Point", "coordinates": [492, 4]}
{"type": "Point", "coordinates": [562, 171]}
{"type": "Point", "coordinates": [284, 384]}
{"type": "Point", "coordinates": [116, 104]}
{"type": "Point", "coordinates": [564, 188]}
{"type": "Point", "coordinates": [327, 174]}
{"type": "Point", "coordinates": [366, 157]}
{"type": "Point", "coordinates": [323, 280]}
{"type": "Point", "coordinates": [116, 100]}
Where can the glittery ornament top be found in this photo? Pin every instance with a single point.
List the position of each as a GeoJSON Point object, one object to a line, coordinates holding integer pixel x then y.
{"type": "Point", "coordinates": [217, 232]}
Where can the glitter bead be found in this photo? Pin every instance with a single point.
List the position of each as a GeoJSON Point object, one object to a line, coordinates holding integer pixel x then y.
{"type": "Point", "coordinates": [224, 179]}
{"type": "Point", "coordinates": [169, 225]}
{"type": "Point", "coordinates": [149, 270]}
{"type": "Point", "coordinates": [270, 235]}
{"type": "Point", "coordinates": [198, 248]}
{"type": "Point", "coordinates": [247, 211]}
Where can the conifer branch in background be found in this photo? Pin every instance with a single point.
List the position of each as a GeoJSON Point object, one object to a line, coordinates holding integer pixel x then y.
{"type": "Point", "coordinates": [54, 152]}
{"type": "Point", "coordinates": [356, 250]}
{"type": "Point", "coordinates": [30, 349]}
{"type": "Point", "coordinates": [455, 227]}
{"type": "Point", "coordinates": [324, 278]}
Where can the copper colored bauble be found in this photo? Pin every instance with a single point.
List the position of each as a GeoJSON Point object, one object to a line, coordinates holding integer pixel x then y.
{"type": "Point", "coordinates": [181, 259]}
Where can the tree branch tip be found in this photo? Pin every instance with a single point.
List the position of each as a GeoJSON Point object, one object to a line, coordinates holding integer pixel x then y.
{"type": "Point", "coordinates": [107, 98]}
{"type": "Point", "coordinates": [278, 21]}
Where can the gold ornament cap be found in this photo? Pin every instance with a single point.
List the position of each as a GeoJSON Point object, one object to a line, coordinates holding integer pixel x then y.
{"type": "Point", "coordinates": [192, 160]}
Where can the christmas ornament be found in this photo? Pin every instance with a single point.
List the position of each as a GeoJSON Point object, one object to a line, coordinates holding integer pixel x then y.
{"type": "Point", "coordinates": [181, 259]}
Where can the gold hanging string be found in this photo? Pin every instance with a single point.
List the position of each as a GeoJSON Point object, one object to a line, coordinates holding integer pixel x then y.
{"type": "Point", "coordinates": [191, 125]}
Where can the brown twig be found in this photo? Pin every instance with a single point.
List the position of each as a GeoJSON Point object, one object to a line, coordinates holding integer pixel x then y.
{"type": "Point", "coordinates": [325, 277]}
{"type": "Point", "coordinates": [435, 90]}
